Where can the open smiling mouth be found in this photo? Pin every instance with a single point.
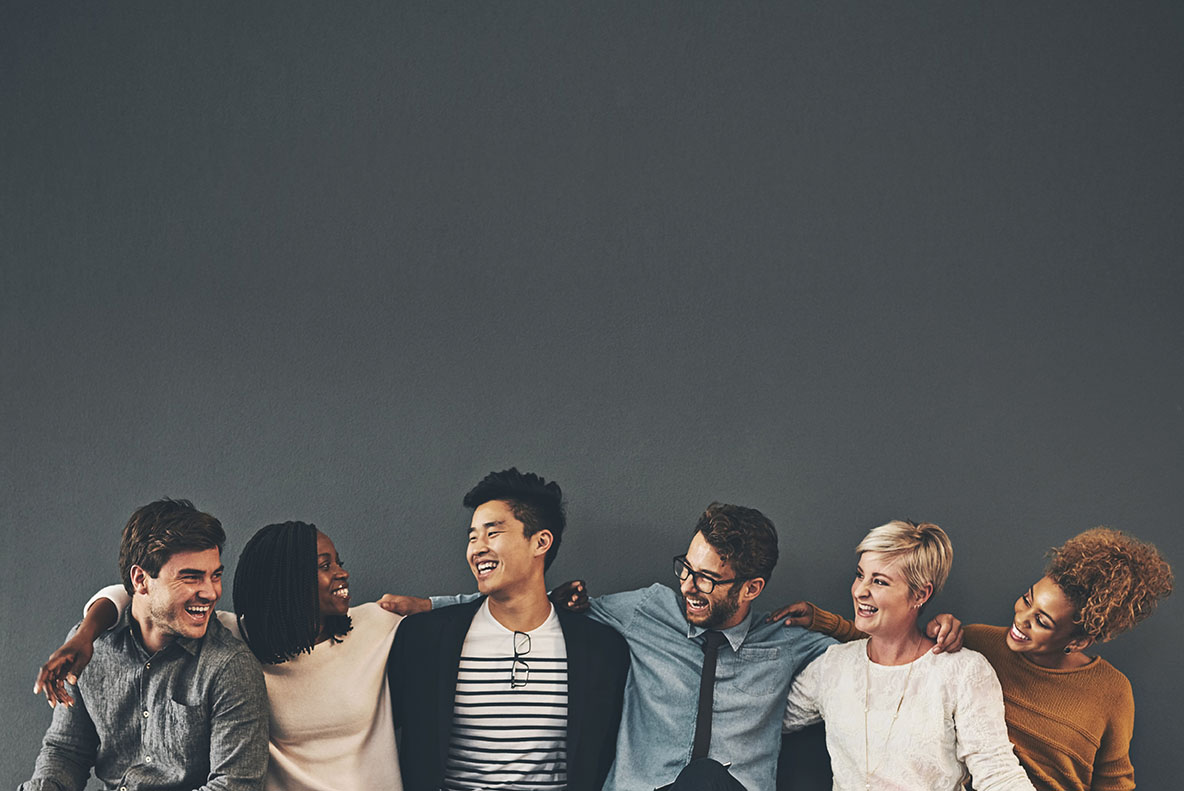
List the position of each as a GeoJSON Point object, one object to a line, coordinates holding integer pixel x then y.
{"type": "Point", "coordinates": [1017, 635]}
{"type": "Point", "coordinates": [342, 593]}
{"type": "Point", "coordinates": [696, 605]}
{"type": "Point", "coordinates": [198, 611]}
{"type": "Point", "coordinates": [866, 610]}
{"type": "Point", "coordinates": [485, 567]}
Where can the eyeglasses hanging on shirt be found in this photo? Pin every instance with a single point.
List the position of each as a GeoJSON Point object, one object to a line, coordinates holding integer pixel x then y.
{"type": "Point", "coordinates": [519, 670]}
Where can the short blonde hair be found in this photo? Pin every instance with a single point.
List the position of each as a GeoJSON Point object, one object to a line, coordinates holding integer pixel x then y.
{"type": "Point", "coordinates": [924, 551]}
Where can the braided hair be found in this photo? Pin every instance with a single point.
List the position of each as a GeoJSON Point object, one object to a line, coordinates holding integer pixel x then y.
{"type": "Point", "coordinates": [275, 593]}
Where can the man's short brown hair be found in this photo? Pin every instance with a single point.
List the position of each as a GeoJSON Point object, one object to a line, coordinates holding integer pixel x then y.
{"type": "Point", "coordinates": [743, 537]}
{"type": "Point", "coordinates": [159, 530]}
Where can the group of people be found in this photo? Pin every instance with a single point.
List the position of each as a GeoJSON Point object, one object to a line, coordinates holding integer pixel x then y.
{"type": "Point", "coordinates": [686, 689]}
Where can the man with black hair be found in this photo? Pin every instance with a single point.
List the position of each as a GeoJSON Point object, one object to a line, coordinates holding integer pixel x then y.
{"type": "Point", "coordinates": [170, 699]}
{"type": "Point", "coordinates": [507, 690]}
{"type": "Point", "coordinates": [708, 678]}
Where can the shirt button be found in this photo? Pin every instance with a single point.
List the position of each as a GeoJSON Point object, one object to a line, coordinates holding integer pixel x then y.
{"type": "Point", "coordinates": [147, 665]}
{"type": "Point", "coordinates": [147, 759]}
{"type": "Point", "coordinates": [145, 713]}
{"type": "Point", "coordinates": [123, 788]}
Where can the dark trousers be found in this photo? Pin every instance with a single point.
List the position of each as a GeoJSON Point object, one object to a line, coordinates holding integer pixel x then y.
{"type": "Point", "coordinates": [705, 774]}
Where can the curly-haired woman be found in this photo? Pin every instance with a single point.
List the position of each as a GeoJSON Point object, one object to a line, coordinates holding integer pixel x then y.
{"type": "Point", "coordinates": [1069, 715]}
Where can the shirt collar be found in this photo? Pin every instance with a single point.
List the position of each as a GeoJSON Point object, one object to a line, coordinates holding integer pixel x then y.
{"type": "Point", "coordinates": [735, 635]}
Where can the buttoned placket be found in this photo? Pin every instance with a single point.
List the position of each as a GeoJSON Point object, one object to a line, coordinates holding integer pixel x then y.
{"type": "Point", "coordinates": [142, 692]}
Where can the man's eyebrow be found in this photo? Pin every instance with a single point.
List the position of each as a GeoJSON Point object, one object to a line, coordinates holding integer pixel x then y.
{"type": "Point", "coordinates": [706, 572]}
{"type": "Point", "coordinates": [197, 572]}
{"type": "Point", "coordinates": [487, 525]}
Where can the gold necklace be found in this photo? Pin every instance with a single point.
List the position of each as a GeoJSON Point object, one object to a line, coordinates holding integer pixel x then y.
{"type": "Point", "coordinates": [867, 684]}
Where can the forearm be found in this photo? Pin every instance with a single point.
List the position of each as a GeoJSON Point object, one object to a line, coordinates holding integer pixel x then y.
{"type": "Point", "coordinates": [100, 616]}
{"type": "Point", "coordinates": [836, 626]}
{"type": "Point", "coordinates": [67, 753]}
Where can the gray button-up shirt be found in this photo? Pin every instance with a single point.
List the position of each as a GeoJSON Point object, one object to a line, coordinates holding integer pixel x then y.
{"type": "Point", "coordinates": [191, 716]}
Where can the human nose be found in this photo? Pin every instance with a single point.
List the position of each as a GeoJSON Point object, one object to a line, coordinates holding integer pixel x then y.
{"type": "Point", "coordinates": [1023, 612]}
{"type": "Point", "coordinates": [210, 589]}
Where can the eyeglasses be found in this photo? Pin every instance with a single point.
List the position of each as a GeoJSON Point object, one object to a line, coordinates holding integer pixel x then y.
{"type": "Point", "coordinates": [704, 583]}
{"type": "Point", "coordinates": [519, 670]}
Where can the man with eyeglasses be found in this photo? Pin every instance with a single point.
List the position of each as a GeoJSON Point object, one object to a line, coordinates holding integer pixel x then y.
{"type": "Point", "coordinates": [684, 726]}
{"type": "Point", "coordinates": [507, 691]}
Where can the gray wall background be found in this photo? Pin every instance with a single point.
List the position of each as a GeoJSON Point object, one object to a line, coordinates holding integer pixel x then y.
{"type": "Point", "coordinates": [842, 262]}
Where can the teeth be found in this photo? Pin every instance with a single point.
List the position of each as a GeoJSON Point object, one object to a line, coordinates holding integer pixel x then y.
{"type": "Point", "coordinates": [342, 592]}
{"type": "Point", "coordinates": [198, 609]}
{"type": "Point", "coordinates": [1016, 634]}
{"type": "Point", "coordinates": [487, 565]}
{"type": "Point", "coordinates": [867, 609]}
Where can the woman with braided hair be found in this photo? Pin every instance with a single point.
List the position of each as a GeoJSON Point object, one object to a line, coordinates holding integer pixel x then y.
{"type": "Point", "coordinates": [1069, 715]}
{"type": "Point", "coordinates": [324, 662]}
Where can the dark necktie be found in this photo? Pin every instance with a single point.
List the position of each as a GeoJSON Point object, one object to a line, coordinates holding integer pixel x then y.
{"type": "Point", "coordinates": [712, 640]}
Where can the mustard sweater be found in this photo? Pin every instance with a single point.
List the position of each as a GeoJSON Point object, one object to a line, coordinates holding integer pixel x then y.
{"type": "Point", "coordinates": [1071, 728]}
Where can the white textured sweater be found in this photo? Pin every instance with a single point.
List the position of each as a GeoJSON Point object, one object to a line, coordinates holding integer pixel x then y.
{"type": "Point", "coordinates": [950, 721]}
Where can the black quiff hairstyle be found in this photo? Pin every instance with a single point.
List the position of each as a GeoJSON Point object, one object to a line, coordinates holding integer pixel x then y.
{"type": "Point", "coordinates": [161, 529]}
{"type": "Point", "coordinates": [275, 593]}
{"type": "Point", "coordinates": [538, 505]}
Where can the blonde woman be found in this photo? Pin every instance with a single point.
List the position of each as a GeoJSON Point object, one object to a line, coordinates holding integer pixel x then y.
{"type": "Point", "coordinates": [898, 716]}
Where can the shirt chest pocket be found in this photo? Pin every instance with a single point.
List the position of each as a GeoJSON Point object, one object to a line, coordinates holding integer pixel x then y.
{"type": "Point", "coordinates": [177, 724]}
{"type": "Point", "coordinates": [757, 672]}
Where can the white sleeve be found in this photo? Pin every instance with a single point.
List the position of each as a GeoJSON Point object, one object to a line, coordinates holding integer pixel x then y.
{"type": "Point", "coordinates": [117, 596]}
{"type": "Point", "coordinates": [801, 707]}
{"type": "Point", "coordinates": [981, 734]}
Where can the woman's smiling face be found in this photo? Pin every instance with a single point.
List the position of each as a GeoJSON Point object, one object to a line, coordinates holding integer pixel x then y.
{"type": "Point", "coordinates": [884, 603]}
{"type": "Point", "coordinates": [332, 579]}
{"type": "Point", "coordinates": [1043, 626]}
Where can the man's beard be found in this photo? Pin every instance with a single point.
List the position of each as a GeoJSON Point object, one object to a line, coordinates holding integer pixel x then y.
{"type": "Point", "coordinates": [718, 612]}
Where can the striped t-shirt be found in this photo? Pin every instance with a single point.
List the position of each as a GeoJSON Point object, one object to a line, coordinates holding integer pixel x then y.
{"type": "Point", "coordinates": [509, 718]}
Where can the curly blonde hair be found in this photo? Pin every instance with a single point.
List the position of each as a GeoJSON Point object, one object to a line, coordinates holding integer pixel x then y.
{"type": "Point", "coordinates": [1113, 579]}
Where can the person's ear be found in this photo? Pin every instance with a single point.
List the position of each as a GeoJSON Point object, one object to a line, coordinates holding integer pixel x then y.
{"type": "Point", "coordinates": [1079, 643]}
{"type": "Point", "coordinates": [542, 542]}
{"type": "Point", "coordinates": [750, 589]}
{"type": "Point", "coordinates": [139, 579]}
{"type": "Point", "coordinates": [922, 596]}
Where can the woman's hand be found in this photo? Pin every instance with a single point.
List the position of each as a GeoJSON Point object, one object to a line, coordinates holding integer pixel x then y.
{"type": "Point", "coordinates": [571, 596]}
{"type": "Point", "coordinates": [62, 667]}
{"type": "Point", "coordinates": [947, 631]}
{"type": "Point", "coordinates": [800, 613]}
{"type": "Point", "coordinates": [64, 664]}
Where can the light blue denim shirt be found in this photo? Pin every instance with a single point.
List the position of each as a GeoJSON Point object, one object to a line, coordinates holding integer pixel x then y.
{"type": "Point", "coordinates": [752, 682]}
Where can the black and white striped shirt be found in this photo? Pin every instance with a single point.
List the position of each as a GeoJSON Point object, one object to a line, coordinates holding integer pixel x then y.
{"type": "Point", "coordinates": [507, 737]}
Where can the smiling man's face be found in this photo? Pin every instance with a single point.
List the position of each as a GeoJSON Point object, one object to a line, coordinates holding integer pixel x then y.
{"type": "Point", "coordinates": [719, 609]}
{"type": "Point", "coordinates": [501, 556]}
{"type": "Point", "coordinates": [180, 599]}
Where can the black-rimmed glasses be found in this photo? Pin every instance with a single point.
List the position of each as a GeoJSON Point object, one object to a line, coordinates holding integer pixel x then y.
{"type": "Point", "coordinates": [519, 670]}
{"type": "Point", "coordinates": [703, 583]}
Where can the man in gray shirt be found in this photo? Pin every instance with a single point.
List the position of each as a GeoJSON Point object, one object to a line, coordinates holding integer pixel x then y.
{"type": "Point", "coordinates": [170, 699]}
